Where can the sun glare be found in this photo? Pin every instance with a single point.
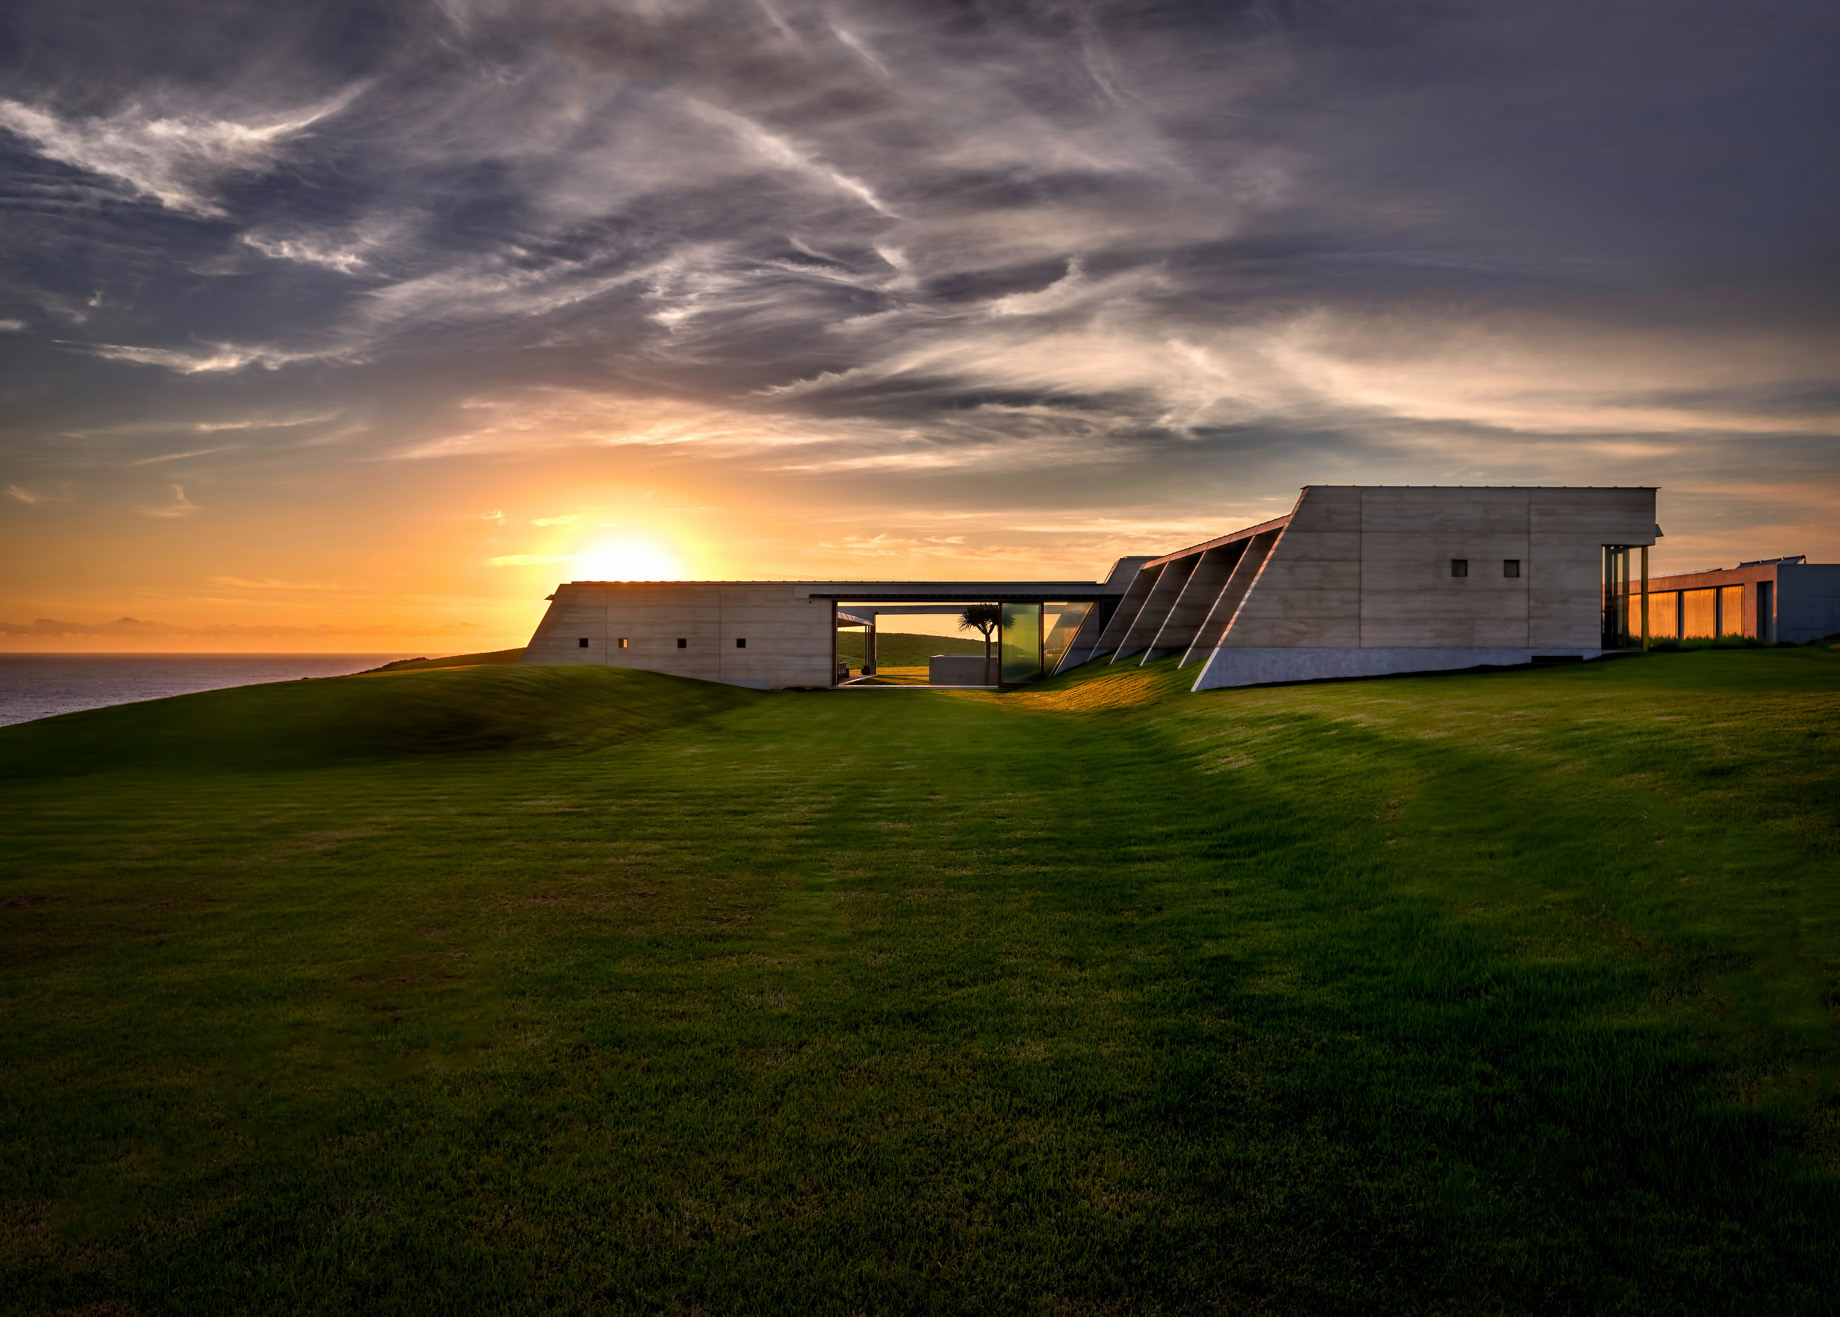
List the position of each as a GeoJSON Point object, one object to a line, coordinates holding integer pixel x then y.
{"type": "Point", "coordinates": [627, 560]}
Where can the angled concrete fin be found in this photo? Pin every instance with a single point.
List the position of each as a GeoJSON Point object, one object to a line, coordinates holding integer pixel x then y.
{"type": "Point", "coordinates": [1157, 603]}
{"type": "Point", "coordinates": [1128, 608]}
{"type": "Point", "coordinates": [1191, 607]}
{"type": "Point", "coordinates": [1239, 584]}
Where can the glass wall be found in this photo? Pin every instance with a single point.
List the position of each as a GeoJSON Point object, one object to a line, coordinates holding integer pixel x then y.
{"type": "Point", "coordinates": [1664, 615]}
{"type": "Point", "coordinates": [1060, 624]}
{"type": "Point", "coordinates": [1021, 647]}
{"type": "Point", "coordinates": [1689, 614]}
{"type": "Point", "coordinates": [1699, 614]}
{"type": "Point", "coordinates": [1619, 630]}
{"type": "Point", "coordinates": [1731, 610]}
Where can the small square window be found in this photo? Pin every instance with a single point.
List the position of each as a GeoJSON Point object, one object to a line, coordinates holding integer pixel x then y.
{"type": "Point", "coordinates": [622, 642]}
{"type": "Point", "coordinates": [1459, 566]}
{"type": "Point", "coordinates": [583, 642]}
{"type": "Point", "coordinates": [1510, 566]}
{"type": "Point", "coordinates": [740, 643]}
{"type": "Point", "coordinates": [682, 643]}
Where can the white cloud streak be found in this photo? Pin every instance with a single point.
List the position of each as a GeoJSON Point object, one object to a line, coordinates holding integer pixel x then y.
{"type": "Point", "coordinates": [214, 358]}
{"type": "Point", "coordinates": [181, 506]}
{"type": "Point", "coordinates": [176, 157]}
{"type": "Point", "coordinates": [175, 457]}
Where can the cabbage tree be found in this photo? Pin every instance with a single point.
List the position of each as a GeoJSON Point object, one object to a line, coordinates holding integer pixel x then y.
{"type": "Point", "coordinates": [986, 620]}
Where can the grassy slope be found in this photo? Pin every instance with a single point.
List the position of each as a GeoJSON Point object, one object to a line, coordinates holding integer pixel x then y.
{"type": "Point", "coordinates": [898, 649]}
{"type": "Point", "coordinates": [1505, 992]}
{"type": "Point", "coordinates": [488, 658]}
{"type": "Point", "coordinates": [319, 721]}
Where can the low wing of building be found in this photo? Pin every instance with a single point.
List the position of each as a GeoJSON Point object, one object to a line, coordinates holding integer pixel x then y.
{"type": "Point", "coordinates": [1781, 599]}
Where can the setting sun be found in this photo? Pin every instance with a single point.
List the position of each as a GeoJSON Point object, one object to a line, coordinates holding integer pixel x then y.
{"type": "Point", "coordinates": [629, 559]}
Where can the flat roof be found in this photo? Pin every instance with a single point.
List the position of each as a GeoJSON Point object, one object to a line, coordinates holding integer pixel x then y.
{"type": "Point", "coordinates": [816, 585]}
{"type": "Point", "coordinates": [918, 592]}
{"type": "Point", "coordinates": [966, 592]}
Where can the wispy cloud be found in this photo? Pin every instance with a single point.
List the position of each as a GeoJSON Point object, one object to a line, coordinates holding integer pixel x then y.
{"type": "Point", "coordinates": [281, 422]}
{"type": "Point", "coordinates": [181, 506]}
{"type": "Point", "coordinates": [780, 152]}
{"type": "Point", "coordinates": [211, 359]}
{"type": "Point", "coordinates": [175, 155]}
{"type": "Point", "coordinates": [174, 457]}
{"type": "Point", "coordinates": [269, 583]}
{"type": "Point", "coordinates": [347, 253]}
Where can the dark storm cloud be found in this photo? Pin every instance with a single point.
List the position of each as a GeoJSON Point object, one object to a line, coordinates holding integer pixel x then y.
{"type": "Point", "coordinates": [1418, 239]}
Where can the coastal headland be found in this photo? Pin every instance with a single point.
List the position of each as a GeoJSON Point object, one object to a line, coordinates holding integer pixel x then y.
{"type": "Point", "coordinates": [500, 987]}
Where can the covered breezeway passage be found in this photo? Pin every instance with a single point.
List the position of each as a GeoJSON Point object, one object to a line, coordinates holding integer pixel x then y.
{"type": "Point", "coordinates": [1026, 644]}
{"type": "Point", "coordinates": [964, 658]}
{"type": "Point", "coordinates": [1039, 620]}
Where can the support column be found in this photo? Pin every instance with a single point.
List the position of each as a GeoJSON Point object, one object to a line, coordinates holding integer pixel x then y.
{"type": "Point", "coordinates": [1645, 598]}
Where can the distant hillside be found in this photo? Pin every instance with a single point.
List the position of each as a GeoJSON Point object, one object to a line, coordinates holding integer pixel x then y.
{"type": "Point", "coordinates": [451, 661]}
{"type": "Point", "coordinates": [311, 722]}
{"type": "Point", "coordinates": [901, 649]}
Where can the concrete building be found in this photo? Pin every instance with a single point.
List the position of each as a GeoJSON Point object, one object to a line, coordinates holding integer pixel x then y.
{"type": "Point", "coordinates": [783, 634]}
{"type": "Point", "coordinates": [1354, 581]}
{"type": "Point", "coordinates": [1788, 599]}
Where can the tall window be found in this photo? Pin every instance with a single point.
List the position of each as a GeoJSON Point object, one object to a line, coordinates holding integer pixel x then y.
{"type": "Point", "coordinates": [1510, 567]}
{"type": "Point", "coordinates": [1459, 566]}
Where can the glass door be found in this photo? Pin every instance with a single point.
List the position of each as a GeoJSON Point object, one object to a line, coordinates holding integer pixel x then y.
{"type": "Point", "coordinates": [1021, 643]}
{"type": "Point", "coordinates": [1617, 602]}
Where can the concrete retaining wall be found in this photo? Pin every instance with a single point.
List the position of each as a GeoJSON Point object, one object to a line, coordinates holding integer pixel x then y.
{"type": "Point", "coordinates": [958, 669]}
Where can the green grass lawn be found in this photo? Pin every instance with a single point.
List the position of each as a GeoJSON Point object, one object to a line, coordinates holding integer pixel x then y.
{"type": "Point", "coordinates": [506, 989]}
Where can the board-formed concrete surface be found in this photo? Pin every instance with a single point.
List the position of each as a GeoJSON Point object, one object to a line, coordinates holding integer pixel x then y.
{"type": "Point", "coordinates": [789, 641]}
{"type": "Point", "coordinates": [1365, 580]}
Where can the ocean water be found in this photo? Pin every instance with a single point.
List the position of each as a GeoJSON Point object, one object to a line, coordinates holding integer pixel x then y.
{"type": "Point", "coordinates": [40, 685]}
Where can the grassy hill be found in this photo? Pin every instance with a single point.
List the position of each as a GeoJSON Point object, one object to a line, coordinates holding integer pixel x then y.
{"type": "Point", "coordinates": [1508, 993]}
{"type": "Point", "coordinates": [402, 714]}
{"type": "Point", "coordinates": [489, 658]}
{"type": "Point", "coordinates": [899, 649]}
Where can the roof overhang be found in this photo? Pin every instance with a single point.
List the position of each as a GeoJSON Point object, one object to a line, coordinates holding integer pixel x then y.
{"type": "Point", "coordinates": [1276, 523]}
{"type": "Point", "coordinates": [950, 592]}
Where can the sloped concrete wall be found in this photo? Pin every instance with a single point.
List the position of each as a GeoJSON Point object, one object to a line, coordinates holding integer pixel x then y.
{"type": "Point", "coordinates": [1360, 582]}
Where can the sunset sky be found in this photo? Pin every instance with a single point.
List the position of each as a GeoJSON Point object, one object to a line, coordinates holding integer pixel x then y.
{"type": "Point", "coordinates": [359, 326]}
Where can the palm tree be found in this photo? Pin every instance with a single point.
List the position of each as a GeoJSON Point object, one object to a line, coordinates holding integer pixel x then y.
{"type": "Point", "coordinates": [986, 620]}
